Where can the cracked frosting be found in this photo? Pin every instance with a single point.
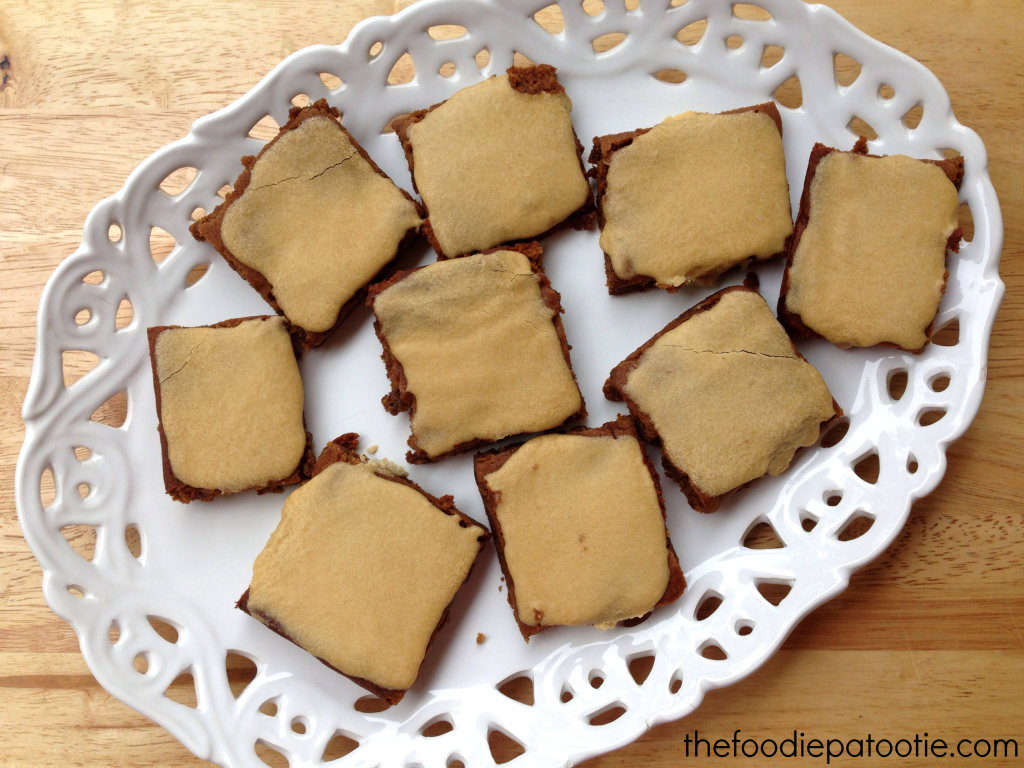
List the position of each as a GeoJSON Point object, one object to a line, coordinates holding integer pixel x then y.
{"type": "Point", "coordinates": [583, 532]}
{"type": "Point", "coordinates": [696, 195]}
{"type": "Point", "coordinates": [728, 395]}
{"type": "Point", "coordinates": [231, 404]}
{"type": "Point", "coordinates": [360, 570]}
{"type": "Point", "coordinates": [479, 351]}
{"type": "Point", "coordinates": [495, 165]}
{"type": "Point", "coordinates": [870, 266]}
{"type": "Point", "coordinates": [317, 221]}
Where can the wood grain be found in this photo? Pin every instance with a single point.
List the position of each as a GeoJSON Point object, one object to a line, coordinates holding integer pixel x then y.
{"type": "Point", "coordinates": [929, 637]}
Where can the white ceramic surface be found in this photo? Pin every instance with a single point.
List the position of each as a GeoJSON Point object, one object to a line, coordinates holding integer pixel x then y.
{"type": "Point", "coordinates": [196, 559]}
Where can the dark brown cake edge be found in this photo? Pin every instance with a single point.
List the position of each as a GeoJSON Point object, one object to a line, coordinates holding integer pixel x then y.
{"type": "Point", "coordinates": [488, 462]}
{"type": "Point", "coordinates": [954, 170]}
{"type": "Point", "coordinates": [604, 147]}
{"type": "Point", "coordinates": [343, 448]}
{"type": "Point", "coordinates": [615, 390]}
{"type": "Point", "coordinates": [540, 78]}
{"type": "Point", "coordinates": [185, 493]}
{"type": "Point", "coordinates": [401, 399]}
{"type": "Point", "coordinates": [208, 228]}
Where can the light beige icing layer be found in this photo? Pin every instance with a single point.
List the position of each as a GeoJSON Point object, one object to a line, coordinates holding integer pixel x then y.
{"type": "Point", "coordinates": [870, 266]}
{"type": "Point", "coordinates": [317, 221]}
{"type": "Point", "coordinates": [479, 350]}
{"type": "Point", "coordinates": [231, 404]}
{"type": "Point", "coordinates": [360, 570]}
{"type": "Point", "coordinates": [696, 195]}
{"type": "Point", "coordinates": [584, 537]}
{"type": "Point", "coordinates": [728, 396]}
{"type": "Point", "coordinates": [494, 165]}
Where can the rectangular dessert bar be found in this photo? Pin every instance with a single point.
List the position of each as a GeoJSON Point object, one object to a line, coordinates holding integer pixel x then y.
{"type": "Point", "coordinates": [692, 197]}
{"type": "Point", "coordinates": [579, 525]}
{"type": "Point", "coordinates": [725, 392]}
{"type": "Point", "coordinates": [867, 261]}
{"type": "Point", "coordinates": [209, 381]}
{"type": "Point", "coordinates": [475, 351]}
{"type": "Point", "coordinates": [311, 222]}
{"type": "Point", "coordinates": [362, 570]}
{"type": "Point", "coordinates": [498, 162]}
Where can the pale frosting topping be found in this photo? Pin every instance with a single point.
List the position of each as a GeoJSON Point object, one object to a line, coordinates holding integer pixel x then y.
{"type": "Point", "coordinates": [360, 570]}
{"type": "Point", "coordinates": [494, 165]}
{"type": "Point", "coordinates": [584, 537]}
{"type": "Point", "coordinates": [231, 404]}
{"type": "Point", "coordinates": [696, 195]}
{"type": "Point", "coordinates": [317, 221]}
{"type": "Point", "coordinates": [728, 395]}
{"type": "Point", "coordinates": [871, 263]}
{"type": "Point", "coordinates": [479, 350]}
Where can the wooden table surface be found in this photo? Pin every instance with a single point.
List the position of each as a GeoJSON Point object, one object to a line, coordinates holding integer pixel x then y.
{"type": "Point", "coordinates": [928, 638]}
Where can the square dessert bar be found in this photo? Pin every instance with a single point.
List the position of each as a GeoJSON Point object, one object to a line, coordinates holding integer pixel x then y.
{"type": "Point", "coordinates": [362, 569]}
{"type": "Point", "coordinates": [579, 525]}
{"type": "Point", "coordinates": [867, 264]}
{"type": "Point", "coordinates": [498, 162]}
{"type": "Point", "coordinates": [691, 197]}
{"type": "Point", "coordinates": [229, 408]}
{"type": "Point", "coordinates": [726, 393]}
{"type": "Point", "coordinates": [475, 350]}
{"type": "Point", "coordinates": [311, 222]}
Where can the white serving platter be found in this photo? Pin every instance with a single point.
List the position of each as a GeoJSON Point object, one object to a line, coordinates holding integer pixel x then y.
{"type": "Point", "coordinates": [196, 559]}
